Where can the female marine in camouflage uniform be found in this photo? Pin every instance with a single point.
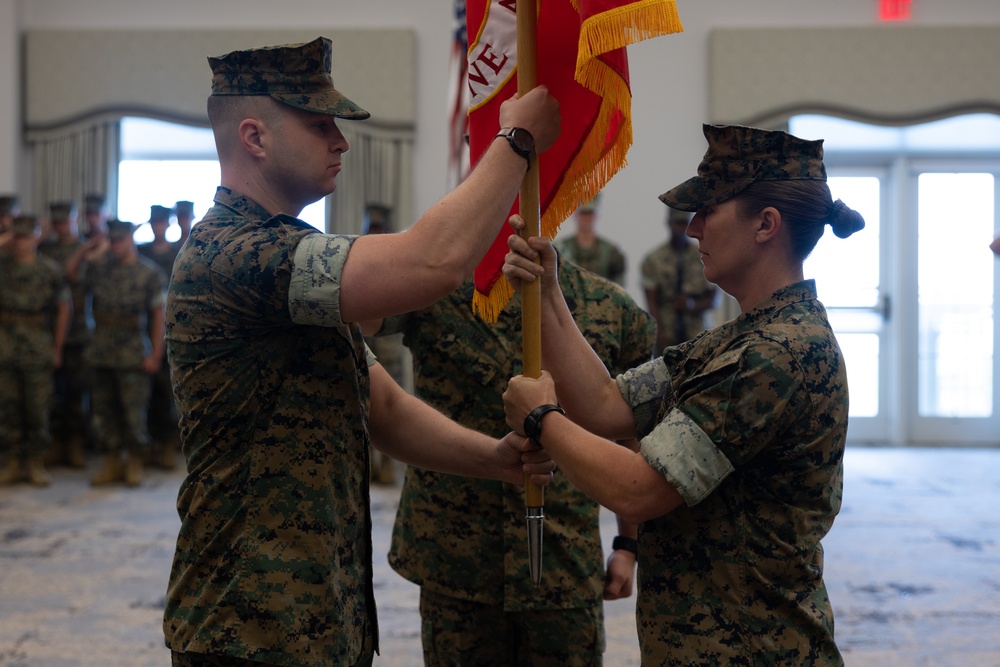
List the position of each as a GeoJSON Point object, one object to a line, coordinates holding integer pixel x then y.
{"type": "Point", "coordinates": [741, 430]}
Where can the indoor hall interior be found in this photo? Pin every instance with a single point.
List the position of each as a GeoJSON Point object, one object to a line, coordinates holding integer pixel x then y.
{"type": "Point", "coordinates": [912, 568]}
{"type": "Point", "coordinates": [910, 110]}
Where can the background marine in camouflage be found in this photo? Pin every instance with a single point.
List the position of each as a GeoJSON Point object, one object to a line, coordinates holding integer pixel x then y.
{"type": "Point", "coordinates": [71, 428]}
{"type": "Point", "coordinates": [34, 316]}
{"type": "Point", "coordinates": [462, 540]}
{"type": "Point", "coordinates": [590, 251]}
{"type": "Point", "coordinates": [677, 294]}
{"type": "Point", "coordinates": [126, 291]}
{"type": "Point", "coordinates": [162, 413]}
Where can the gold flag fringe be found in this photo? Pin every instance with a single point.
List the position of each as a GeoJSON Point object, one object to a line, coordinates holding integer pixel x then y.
{"type": "Point", "coordinates": [596, 163]}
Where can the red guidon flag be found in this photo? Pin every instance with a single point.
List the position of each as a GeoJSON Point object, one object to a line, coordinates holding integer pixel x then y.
{"type": "Point", "coordinates": [582, 60]}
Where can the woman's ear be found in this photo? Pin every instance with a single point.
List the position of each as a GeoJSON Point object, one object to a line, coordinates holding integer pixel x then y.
{"type": "Point", "coordinates": [768, 224]}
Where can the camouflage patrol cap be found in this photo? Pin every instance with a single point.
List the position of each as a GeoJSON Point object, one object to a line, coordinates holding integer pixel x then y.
{"type": "Point", "coordinates": [295, 74]}
{"type": "Point", "coordinates": [590, 206]}
{"type": "Point", "coordinates": [24, 225]}
{"type": "Point", "coordinates": [8, 204]}
{"type": "Point", "coordinates": [61, 211]}
{"type": "Point", "coordinates": [376, 219]}
{"type": "Point", "coordinates": [93, 203]}
{"type": "Point", "coordinates": [738, 156]}
{"type": "Point", "coordinates": [184, 209]}
{"type": "Point", "coordinates": [673, 215]}
{"type": "Point", "coordinates": [120, 229]}
{"type": "Point", "coordinates": [159, 214]}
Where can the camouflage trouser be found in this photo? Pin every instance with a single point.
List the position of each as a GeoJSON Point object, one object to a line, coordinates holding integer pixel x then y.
{"type": "Point", "coordinates": [162, 412]}
{"type": "Point", "coordinates": [25, 401]}
{"type": "Point", "coordinates": [119, 399]}
{"type": "Point", "coordinates": [203, 660]}
{"type": "Point", "coordinates": [70, 407]}
{"type": "Point", "coordinates": [459, 633]}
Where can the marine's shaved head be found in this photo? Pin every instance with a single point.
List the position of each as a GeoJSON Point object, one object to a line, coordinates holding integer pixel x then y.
{"type": "Point", "coordinates": [226, 112]}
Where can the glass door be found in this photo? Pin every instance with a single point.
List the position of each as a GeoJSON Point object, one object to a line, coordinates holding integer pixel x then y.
{"type": "Point", "coordinates": [913, 298]}
{"type": "Point", "coordinates": [848, 274]}
{"type": "Point", "coordinates": [954, 388]}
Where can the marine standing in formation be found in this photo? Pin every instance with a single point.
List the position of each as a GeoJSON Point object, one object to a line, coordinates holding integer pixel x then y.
{"type": "Point", "coordinates": [34, 316]}
{"type": "Point", "coordinates": [127, 292]}
{"type": "Point", "coordinates": [677, 294]}
{"type": "Point", "coordinates": [162, 414]}
{"type": "Point", "coordinates": [70, 411]}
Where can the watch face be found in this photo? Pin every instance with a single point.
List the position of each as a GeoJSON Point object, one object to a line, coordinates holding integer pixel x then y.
{"type": "Point", "coordinates": [523, 140]}
{"type": "Point", "coordinates": [531, 427]}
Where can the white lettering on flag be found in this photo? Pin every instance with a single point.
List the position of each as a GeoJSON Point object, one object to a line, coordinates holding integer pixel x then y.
{"type": "Point", "coordinates": [493, 54]}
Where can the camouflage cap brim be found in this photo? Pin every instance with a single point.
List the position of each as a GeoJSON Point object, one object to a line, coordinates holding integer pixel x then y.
{"type": "Point", "coordinates": [331, 103]}
{"type": "Point", "coordinates": [24, 226]}
{"type": "Point", "coordinates": [294, 74]}
{"type": "Point", "coordinates": [697, 192]}
{"type": "Point", "coordinates": [738, 156]}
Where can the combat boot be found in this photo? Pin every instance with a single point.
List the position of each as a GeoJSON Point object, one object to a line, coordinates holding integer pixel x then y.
{"type": "Point", "coordinates": [36, 472]}
{"type": "Point", "coordinates": [387, 471]}
{"type": "Point", "coordinates": [168, 455]}
{"type": "Point", "coordinates": [110, 472]}
{"type": "Point", "coordinates": [75, 456]}
{"type": "Point", "coordinates": [133, 470]}
{"type": "Point", "coordinates": [12, 473]}
{"type": "Point", "coordinates": [56, 455]}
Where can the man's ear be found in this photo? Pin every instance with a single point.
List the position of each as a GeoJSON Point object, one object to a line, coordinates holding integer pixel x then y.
{"type": "Point", "coordinates": [251, 131]}
{"type": "Point", "coordinates": [768, 224]}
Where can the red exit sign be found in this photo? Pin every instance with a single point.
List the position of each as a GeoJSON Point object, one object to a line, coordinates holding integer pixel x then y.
{"type": "Point", "coordinates": [894, 10]}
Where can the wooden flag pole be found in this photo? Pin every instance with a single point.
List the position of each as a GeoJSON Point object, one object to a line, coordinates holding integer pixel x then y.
{"type": "Point", "coordinates": [531, 317]}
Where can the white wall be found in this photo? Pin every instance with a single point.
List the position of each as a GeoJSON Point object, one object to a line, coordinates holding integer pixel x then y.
{"type": "Point", "coordinates": [668, 75]}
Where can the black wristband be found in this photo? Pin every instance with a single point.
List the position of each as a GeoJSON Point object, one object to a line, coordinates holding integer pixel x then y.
{"type": "Point", "coordinates": [625, 544]}
{"type": "Point", "coordinates": [533, 422]}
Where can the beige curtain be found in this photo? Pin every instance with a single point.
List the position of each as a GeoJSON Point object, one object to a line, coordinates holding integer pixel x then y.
{"type": "Point", "coordinates": [378, 169]}
{"type": "Point", "coordinates": [78, 83]}
{"type": "Point", "coordinates": [70, 163]}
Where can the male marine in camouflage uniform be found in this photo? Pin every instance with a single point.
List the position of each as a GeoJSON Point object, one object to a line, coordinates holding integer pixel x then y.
{"type": "Point", "coordinates": [127, 292]}
{"type": "Point", "coordinates": [677, 293]}
{"type": "Point", "coordinates": [462, 539]}
{"type": "Point", "coordinates": [162, 415]}
{"type": "Point", "coordinates": [8, 210]}
{"type": "Point", "coordinates": [278, 394]}
{"type": "Point", "coordinates": [70, 409]}
{"type": "Point", "coordinates": [184, 213]}
{"type": "Point", "coordinates": [34, 315]}
{"type": "Point", "coordinates": [588, 250]}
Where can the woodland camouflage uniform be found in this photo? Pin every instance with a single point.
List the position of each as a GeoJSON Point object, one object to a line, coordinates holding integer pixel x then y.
{"type": "Point", "coordinates": [122, 297]}
{"type": "Point", "coordinates": [463, 539]}
{"type": "Point", "coordinates": [30, 295]}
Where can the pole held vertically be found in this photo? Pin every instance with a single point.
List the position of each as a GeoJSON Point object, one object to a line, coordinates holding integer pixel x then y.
{"type": "Point", "coordinates": [531, 317]}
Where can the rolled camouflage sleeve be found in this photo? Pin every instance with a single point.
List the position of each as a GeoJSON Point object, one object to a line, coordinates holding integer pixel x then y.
{"type": "Point", "coordinates": [314, 291]}
{"type": "Point", "coordinates": [686, 457]}
{"type": "Point", "coordinates": [643, 388]}
{"type": "Point", "coordinates": [676, 447]}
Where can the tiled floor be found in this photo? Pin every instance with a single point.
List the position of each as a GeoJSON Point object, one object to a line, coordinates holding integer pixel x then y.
{"type": "Point", "coordinates": [913, 568]}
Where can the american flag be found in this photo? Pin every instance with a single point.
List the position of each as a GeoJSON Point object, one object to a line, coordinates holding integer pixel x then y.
{"type": "Point", "coordinates": [458, 96]}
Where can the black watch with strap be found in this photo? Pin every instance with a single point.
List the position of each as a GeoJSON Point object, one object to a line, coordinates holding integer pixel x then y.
{"type": "Point", "coordinates": [625, 544]}
{"type": "Point", "coordinates": [533, 422]}
{"type": "Point", "coordinates": [520, 140]}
